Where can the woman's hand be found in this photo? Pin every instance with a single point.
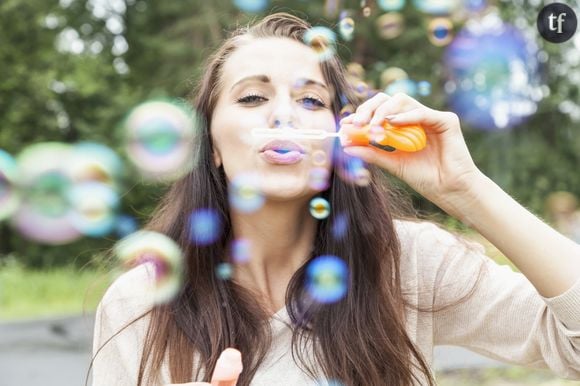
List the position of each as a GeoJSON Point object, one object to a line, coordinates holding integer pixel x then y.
{"type": "Point", "coordinates": [442, 168]}
{"type": "Point", "coordinates": [226, 373]}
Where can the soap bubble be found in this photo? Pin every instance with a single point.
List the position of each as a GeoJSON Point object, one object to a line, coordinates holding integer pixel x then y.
{"type": "Point", "coordinates": [319, 157]}
{"type": "Point", "coordinates": [9, 198]}
{"type": "Point", "coordinates": [475, 5]}
{"type": "Point", "coordinates": [251, 6]}
{"type": "Point", "coordinates": [322, 40]}
{"type": "Point", "coordinates": [224, 271]}
{"type": "Point", "coordinates": [440, 31]}
{"type": "Point", "coordinates": [165, 256]}
{"type": "Point", "coordinates": [353, 170]}
{"type": "Point", "coordinates": [436, 7]}
{"type": "Point", "coordinates": [94, 207]}
{"type": "Point", "coordinates": [339, 225]}
{"type": "Point", "coordinates": [346, 28]}
{"type": "Point", "coordinates": [319, 208]}
{"type": "Point", "coordinates": [45, 180]}
{"type": "Point", "coordinates": [391, 5]}
{"type": "Point", "coordinates": [95, 162]}
{"type": "Point", "coordinates": [390, 25]}
{"type": "Point", "coordinates": [326, 278]}
{"type": "Point", "coordinates": [245, 194]}
{"type": "Point", "coordinates": [318, 178]}
{"type": "Point", "coordinates": [423, 88]}
{"type": "Point", "coordinates": [405, 86]}
{"type": "Point", "coordinates": [241, 250]}
{"type": "Point", "coordinates": [205, 227]}
{"type": "Point", "coordinates": [493, 78]}
{"type": "Point", "coordinates": [159, 139]}
{"type": "Point", "coordinates": [391, 75]}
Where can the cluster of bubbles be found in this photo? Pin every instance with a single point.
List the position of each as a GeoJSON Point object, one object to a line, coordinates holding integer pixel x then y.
{"type": "Point", "coordinates": [159, 138]}
{"type": "Point", "coordinates": [493, 79]}
{"type": "Point", "coordinates": [327, 278]}
{"type": "Point", "coordinates": [160, 253]}
{"type": "Point", "coordinates": [55, 193]}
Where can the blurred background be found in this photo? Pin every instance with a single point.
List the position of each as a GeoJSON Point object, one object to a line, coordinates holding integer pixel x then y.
{"type": "Point", "coordinates": [79, 169]}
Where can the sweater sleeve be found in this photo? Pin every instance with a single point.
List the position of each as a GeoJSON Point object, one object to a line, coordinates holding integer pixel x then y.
{"type": "Point", "coordinates": [117, 341]}
{"type": "Point", "coordinates": [494, 311]}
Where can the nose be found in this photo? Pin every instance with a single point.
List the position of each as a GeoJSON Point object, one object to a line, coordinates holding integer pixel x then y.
{"type": "Point", "coordinates": [282, 114]}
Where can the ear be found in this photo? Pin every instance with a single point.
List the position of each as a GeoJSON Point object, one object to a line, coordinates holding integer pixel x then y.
{"type": "Point", "coordinates": [217, 159]}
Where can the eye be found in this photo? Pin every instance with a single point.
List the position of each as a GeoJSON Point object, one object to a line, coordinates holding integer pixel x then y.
{"type": "Point", "coordinates": [252, 98]}
{"type": "Point", "coordinates": [312, 102]}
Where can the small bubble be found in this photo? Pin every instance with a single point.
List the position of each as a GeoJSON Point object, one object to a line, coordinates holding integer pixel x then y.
{"type": "Point", "coordinates": [204, 227]}
{"type": "Point", "coordinates": [322, 40]}
{"type": "Point", "coordinates": [224, 271]}
{"type": "Point", "coordinates": [319, 178]}
{"type": "Point", "coordinates": [241, 251]}
{"type": "Point", "coordinates": [326, 278]}
{"type": "Point", "coordinates": [319, 208]}
{"type": "Point", "coordinates": [245, 194]}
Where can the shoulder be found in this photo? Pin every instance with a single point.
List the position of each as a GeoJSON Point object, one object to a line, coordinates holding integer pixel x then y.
{"type": "Point", "coordinates": [426, 239]}
{"type": "Point", "coordinates": [129, 296]}
{"type": "Point", "coordinates": [431, 253]}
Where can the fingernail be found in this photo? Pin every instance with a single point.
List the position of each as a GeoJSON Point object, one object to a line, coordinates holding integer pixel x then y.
{"type": "Point", "coordinates": [391, 117]}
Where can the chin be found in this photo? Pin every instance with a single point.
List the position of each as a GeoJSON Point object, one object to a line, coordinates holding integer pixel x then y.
{"type": "Point", "coordinates": [287, 192]}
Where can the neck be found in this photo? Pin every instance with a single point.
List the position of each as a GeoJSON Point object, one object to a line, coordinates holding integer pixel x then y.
{"type": "Point", "coordinates": [281, 236]}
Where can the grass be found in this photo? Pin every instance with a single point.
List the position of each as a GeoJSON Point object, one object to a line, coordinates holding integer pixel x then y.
{"type": "Point", "coordinates": [506, 376]}
{"type": "Point", "coordinates": [27, 294]}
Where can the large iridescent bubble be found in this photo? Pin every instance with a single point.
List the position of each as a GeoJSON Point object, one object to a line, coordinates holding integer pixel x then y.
{"type": "Point", "coordinates": [159, 137]}
{"type": "Point", "coordinates": [493, 79]}
{"type": "Point", "coordinates": [162, 254]}
{"type": "Point", "coordinates": [44, 178]}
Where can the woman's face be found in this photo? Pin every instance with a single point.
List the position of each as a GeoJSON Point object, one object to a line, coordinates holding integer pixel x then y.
{"type": "Point", "coordinates": [274, 83]}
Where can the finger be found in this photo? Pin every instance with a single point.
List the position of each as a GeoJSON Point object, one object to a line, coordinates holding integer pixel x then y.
{"type": "Point", "coordinates": [398, 103]}
{"type": "Point", "coordinates": [425, 117]}
{"type": "Point", "coordinates": [364, 111]}
{"type": "Point", "coordinates": [347, 119]}
{"type": "Point", "coordinates": [228, 368]}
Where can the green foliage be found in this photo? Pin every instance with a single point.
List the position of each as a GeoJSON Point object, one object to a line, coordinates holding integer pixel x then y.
{"type": "Point", "coordinates": [26, 293]}
{"type": "Point", "coordinates": [50, 94]}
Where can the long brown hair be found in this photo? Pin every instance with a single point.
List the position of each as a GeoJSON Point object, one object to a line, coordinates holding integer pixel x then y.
{"type": "Point", "coordinates": [360, 340]}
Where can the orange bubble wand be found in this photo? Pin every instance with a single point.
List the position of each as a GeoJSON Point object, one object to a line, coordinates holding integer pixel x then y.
{"type": "Point", "coordinates": [408, 138]}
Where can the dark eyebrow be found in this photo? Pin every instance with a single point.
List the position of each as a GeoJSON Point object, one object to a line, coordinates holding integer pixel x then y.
{"type": "Point", "coordinates": [260, 78]}
{"type": "Point", "coordinates": [266, 79]}
{"type": "Point", "coordinates": [309, 82]}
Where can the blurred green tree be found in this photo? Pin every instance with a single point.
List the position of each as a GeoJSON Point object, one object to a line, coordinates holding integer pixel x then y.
{"type": "Point", "coordinates": [74, 68]}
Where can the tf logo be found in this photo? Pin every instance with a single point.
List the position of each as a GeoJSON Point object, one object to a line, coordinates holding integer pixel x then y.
{"type": "Point", "coordinates": [557, 22]}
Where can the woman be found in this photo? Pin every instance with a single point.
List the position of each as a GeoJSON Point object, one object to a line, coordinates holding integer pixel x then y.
{"type": "Point", "coordinates": [411, 285]}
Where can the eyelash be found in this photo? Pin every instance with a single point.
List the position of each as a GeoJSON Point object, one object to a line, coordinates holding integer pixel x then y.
{"type": "Point", "coordinates": [252, 99]}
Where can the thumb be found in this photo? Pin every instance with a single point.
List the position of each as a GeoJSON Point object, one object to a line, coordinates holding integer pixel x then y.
{"type": "Point", "coordinates": [228, 368]}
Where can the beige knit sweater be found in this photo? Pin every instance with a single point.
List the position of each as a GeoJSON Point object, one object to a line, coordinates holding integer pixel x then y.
{"type": "Point", "coordinates": [505, 318]}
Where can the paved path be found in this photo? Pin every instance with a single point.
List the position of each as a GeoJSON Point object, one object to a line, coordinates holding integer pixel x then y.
{"type": "Point", "coordinates": [56, 352]}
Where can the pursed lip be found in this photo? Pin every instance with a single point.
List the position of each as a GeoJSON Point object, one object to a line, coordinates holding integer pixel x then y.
{"type": "Point", "coordinates": [285, 145]}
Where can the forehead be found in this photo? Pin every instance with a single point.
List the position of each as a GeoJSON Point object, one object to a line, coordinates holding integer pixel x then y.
{"type": "Point", "coordinates": [279, 58]}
